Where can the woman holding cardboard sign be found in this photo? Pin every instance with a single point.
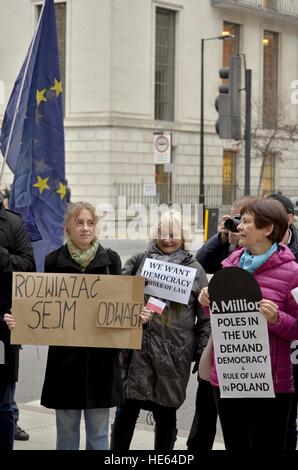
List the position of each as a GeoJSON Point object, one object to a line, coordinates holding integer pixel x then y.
{"type": "Point", "coordinates": [261, 423]}
{"type": "Point", "coordinates": [78, 378]}
{"type": "Point", "coordinates": [156, 377]}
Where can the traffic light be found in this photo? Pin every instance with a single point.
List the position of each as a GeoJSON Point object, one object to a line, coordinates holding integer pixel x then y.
{"type": "Point", "coordinates": [228, 102]}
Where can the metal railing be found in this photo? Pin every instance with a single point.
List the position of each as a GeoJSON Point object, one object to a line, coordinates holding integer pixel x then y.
{"type": "Point", "coordinates": [177, 194]}
{"type": "Point", "coordinates": [215, 195]}
{"type": "Point", "coordinates": [286, 7]}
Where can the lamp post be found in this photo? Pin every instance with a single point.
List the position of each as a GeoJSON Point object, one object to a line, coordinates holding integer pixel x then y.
{"type": "Point", "coordinates": [202, 185]}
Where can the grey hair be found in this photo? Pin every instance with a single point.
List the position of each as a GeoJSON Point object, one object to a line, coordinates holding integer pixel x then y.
{"type": "Point", "coordinates": [173, 219]}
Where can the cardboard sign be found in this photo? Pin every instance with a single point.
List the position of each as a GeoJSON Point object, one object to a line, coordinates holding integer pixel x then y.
{"type": "Point", "coordinates": [77, 310]}
{"type": "Point", "coordinates": [240, 335]}
{"type": "Point", "coordinates": [168, 280]}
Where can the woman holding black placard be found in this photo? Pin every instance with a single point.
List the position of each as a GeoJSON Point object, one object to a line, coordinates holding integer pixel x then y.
{"type": "Point", "coordinates": [261, 423]}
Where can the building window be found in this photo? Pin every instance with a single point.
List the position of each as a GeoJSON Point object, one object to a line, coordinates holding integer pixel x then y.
{"type": "Point", "coordinates": [268, 175]}
{"type": "Point", "coordinates": [60, 10]}
{"type": "Point", "coordinates": [229, 177]}
{"type": "Point", "coordinates": [164, 64]}
{"type": "Point", "coordinates": [232, 46]}
{"type": "Point", "coordinates": [270, 73]}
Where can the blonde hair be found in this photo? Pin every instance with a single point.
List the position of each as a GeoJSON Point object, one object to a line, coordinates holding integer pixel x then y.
{"type": "Point", "coordinates": [73, 211]}
{"type": "Point", "coordinates": [172, 219]}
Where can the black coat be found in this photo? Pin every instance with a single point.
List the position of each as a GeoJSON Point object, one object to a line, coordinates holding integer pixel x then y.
{"type": "Point", "coordinates": [80, 377]}
{"type": "Point", "coordinates": [15, 255]}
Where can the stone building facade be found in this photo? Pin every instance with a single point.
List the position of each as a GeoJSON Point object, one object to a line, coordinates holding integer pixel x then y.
{"type": "Point", "coordinates": [132, 68]}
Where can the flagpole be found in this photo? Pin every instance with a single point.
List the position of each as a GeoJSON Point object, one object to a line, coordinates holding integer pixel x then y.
{"type": "Point", "coordinates": [20, 95]}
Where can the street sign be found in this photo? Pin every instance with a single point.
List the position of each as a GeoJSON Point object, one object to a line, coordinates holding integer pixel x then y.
{"type": "Point", "coordinates": [162, 148]}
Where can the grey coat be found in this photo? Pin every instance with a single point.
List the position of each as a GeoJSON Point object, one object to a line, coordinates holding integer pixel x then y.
{"type": "Point", "coordinates": [159, 372]}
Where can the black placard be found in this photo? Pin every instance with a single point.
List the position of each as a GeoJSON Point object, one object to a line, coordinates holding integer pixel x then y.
{"type": "Point", "coordinates": [233, 284]}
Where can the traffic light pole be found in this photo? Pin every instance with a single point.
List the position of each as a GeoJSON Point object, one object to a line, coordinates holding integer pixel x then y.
{"type": "Point", "coordinates": [202, 189]}
{"type": "Point", "coordinates": [247, 134]}
{"type": "Point", "coordinates": [202, 185]}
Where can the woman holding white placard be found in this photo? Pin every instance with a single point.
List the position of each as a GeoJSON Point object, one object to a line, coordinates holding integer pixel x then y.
{"type": "Point", "coordinates": [156, 377]}
{"type": "Point", "coordinates": [261, 423]}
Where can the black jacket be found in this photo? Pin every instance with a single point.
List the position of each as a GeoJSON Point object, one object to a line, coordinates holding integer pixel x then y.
{"type": "Point", "coordinates": [293, 245]}
{"type": "Point", "coordinates": [80, 377]}
{"type": "Point", "coordinates": [15, 255]}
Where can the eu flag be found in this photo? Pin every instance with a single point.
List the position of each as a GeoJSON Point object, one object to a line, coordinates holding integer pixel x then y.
{"type": "Point", "coordinates": [32, 140]}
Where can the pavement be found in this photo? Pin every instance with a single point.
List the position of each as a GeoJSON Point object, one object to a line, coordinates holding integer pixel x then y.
{"type": "Point", "coordinates": [39, 422]}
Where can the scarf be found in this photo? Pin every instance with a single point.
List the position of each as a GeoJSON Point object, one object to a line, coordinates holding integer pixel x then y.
{"type": "Point", "coordinates": [251, 262]}
{"type": "Point", "coordinates": [178, 257]}
{"type": "Point", "coordinates": [83, 257]}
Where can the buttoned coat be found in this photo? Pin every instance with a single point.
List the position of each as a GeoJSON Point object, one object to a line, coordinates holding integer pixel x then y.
{"type": "Point", "coordinates": [16, 254]}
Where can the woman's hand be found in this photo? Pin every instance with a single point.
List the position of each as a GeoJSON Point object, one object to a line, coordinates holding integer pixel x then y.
{"type": "Point", "coordinates": [203, 298]}
{"type": "Point", "coordinates": [10, 321]}
{"type": "Point", "coordinates": [270, 310]}
{"type": "Point", "coordinates": [146, 315]}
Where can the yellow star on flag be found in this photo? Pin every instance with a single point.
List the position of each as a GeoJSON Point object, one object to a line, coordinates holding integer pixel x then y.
{"type": "Point", "coordinates": [57, 87]}
{"type": "Point", "coordinates": [40, 96]}
{"type": "Point", "coordinates": [42, 184]}
{"type": "Point", "coordinates": [61, 190]}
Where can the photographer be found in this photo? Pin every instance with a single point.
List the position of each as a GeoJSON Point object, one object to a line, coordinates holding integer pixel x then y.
{"type": "Point", "coordinates": [221, 245]}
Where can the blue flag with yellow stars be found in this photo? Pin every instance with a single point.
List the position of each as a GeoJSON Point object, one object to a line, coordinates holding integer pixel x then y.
{"type": "Point", "coordinates": [32, 138]}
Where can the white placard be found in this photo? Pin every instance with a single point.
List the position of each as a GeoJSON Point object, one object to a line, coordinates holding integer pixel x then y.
{"type": "Point", "coordinates": [149, 189]}
{"type": "Point", "coordinates": [162, 148]}
{"type": "Point", "coordinates": [168, 280]}
{"type": "Point", "coordinates": [294, 293]}
{"type": "Point", "coordinates": [242, 355]}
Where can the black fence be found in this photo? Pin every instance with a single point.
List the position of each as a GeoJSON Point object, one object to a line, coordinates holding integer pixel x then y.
{"type": "Point", "coordinates": [215, 195]}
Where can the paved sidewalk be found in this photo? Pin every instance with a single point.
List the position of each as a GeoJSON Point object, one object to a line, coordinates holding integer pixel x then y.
{"type": "Point", "coordinates": [39, 422]}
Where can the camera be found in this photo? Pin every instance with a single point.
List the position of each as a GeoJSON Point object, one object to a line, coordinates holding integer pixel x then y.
{"type": "Point", "coordinates": [232, 224]}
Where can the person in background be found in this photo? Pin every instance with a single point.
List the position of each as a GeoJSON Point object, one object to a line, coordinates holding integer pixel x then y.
{"type": "Point", "coordinates": [82, 379]}
{"type": "Point", "coordinates": [19, 433]}
{"type": "Point", "coordinates": [210, 255]}
{"type": "Point", "coordinates": [221, 245]}
{"type": "Point", "coordinates": [6, 195]}
{"type": "Point", "coordinates": [15, 255]}
{"type": "Point", "coordinates": [291, 240]}
{"type": "Point", "coordinates": [156, 376]}
{"type": "Point", "coordinates": [262, 423]}
{"type": "Point", "coordinates": [68, 193]}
